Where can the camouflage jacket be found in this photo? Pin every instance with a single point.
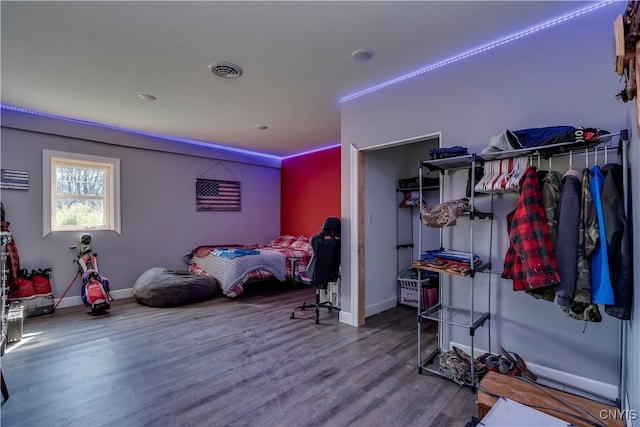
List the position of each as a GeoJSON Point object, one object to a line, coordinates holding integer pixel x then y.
{"type": "Point", "coordinates": [551, 185]}
{"type": "Point", "coordinates": [588, 236]}
{"type": "Point", "coordinates": [580, 306]}
{"type": "Point", "coordinates": [444, 214]}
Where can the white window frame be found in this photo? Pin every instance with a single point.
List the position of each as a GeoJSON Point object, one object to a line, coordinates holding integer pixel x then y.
{"type": "Point", "coordinates": [111, 196]}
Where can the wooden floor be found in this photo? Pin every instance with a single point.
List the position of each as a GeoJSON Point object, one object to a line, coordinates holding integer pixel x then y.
{"type": "Point", "coordinates": [225, 362]}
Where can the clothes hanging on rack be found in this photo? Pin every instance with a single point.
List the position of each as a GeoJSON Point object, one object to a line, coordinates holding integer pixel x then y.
{"type": "Point", "coordinates": [618, 242]}
{"type": "Point", "coordinates": [551, 185]}
{"type": "Point", "coordinates": [580, 306]}
{"type": "Point", "coordinates": [589, 238]}
{"type": "Point", "coordinates": [568, 228]}
{"type": "Point", "coordinates": [602, 293]}
{"type": "Point", "coordinates": [501, 176]}
{"type": "Point", "coordinates": [529, 260]}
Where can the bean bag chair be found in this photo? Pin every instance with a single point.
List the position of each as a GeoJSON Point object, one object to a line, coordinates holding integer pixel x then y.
{"type": "Point", "coordinates": [162, 287]}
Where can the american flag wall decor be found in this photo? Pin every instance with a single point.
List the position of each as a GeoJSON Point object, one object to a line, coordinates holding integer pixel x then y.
{"type": "Point", "coordinates": [14, 180]}
{"type": "Point", "coordinates": [214, 195]}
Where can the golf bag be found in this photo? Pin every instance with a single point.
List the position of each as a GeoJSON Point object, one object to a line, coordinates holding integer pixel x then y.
{"type": "Point", "coordinates": [95, 287]}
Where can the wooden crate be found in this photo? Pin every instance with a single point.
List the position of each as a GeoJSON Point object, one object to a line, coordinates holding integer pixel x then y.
{"type": "Point", "coordinates": [532, 395]}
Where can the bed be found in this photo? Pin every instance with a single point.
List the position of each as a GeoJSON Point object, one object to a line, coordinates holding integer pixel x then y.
{"type": "Point", "coordinates": [233, 265]}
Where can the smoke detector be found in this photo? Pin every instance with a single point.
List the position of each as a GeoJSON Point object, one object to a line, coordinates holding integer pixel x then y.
{"type": "Point", "coordinates": [226, 70]}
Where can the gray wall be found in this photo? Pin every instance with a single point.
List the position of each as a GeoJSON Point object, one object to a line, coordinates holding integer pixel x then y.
{"type": "Point", "coordinates": [159, 220]}
{"type": "Point", "coordinates": [559, 76]}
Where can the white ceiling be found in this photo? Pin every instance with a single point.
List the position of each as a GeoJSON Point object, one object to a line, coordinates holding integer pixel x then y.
{"type": "Point", "coordinates": [90, 60]}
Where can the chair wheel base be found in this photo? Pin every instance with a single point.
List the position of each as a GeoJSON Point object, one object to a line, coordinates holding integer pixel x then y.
{"type": "Point", "coordinates": [317, 306]}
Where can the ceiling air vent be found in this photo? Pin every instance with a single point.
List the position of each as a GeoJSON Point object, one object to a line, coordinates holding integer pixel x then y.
{"type": "Point", "coordinates": [226, 70]}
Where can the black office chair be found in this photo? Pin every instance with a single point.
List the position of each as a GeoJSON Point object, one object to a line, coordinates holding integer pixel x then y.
{"type": "Point", "coordinates": [324, 266]}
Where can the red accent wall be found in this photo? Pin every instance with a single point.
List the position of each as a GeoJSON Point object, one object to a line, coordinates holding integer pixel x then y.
{"type": "Point", "coordinates": [310, 191]}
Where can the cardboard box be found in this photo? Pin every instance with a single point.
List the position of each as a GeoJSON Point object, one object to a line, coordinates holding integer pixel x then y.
{"type": "Point", "coordinates": [538, 396]}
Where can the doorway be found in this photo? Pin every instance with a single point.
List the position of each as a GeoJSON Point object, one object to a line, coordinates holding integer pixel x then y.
{"type": "Point", "coordinates": [374, 250]}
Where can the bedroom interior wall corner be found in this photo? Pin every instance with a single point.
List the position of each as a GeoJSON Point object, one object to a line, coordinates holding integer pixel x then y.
{"type": "Point", "coordinates": [159, 218]}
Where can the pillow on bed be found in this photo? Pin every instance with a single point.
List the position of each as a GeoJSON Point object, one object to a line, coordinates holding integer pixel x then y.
{"type": "Point", "coordinates": [302, 243]}
{"type": "Point", "coordinates": [284, 241]}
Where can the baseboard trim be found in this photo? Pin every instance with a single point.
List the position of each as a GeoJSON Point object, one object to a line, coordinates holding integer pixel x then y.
{"type": "Point", "coordinates": [563, 381]}
{"type": "Point", "coordinates": [380, 306]}
{"type": "Point", "coordinates": [346, 317]}
{"type": "Point", "coordinates": [75, 301]}
{"type": "Point", "coordinates": [370, 310]}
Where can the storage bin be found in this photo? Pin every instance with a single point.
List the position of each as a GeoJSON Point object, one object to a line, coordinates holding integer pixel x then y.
{"type": "Point", "coordinates": [15, 317]}
{"type": "Point", "coordinates": [36, 305]}
{"type": "Point", "coordinates": [409, 292]}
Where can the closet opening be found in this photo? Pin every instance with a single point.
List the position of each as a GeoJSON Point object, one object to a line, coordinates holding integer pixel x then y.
{"type": "Point", "coordinates": [384, 235]}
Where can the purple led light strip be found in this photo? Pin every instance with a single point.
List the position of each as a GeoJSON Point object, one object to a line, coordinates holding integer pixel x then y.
{"type": "Point", "coordinates": [138, 132]}
{"type": "Point", "coordinates": [476, 51]}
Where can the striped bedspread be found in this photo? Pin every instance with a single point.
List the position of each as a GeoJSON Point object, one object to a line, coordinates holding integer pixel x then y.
{"type": "Point", "coordinates": [233, 273]}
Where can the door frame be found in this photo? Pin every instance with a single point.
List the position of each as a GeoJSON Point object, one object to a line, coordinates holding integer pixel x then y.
{"type": "Point", "coordinates": [358, 192]}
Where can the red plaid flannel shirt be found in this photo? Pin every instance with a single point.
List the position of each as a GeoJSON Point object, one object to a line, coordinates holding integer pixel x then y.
{"type": "Point", "coordinates": [530, 260]}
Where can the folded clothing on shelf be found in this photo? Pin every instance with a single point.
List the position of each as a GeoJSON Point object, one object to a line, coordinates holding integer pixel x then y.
{"type": "Point", "coordinates": [411, 199]}
{"type": "Point", "coordinates": [447, 261]}
{"type": "Point", "coordinates": [539, 137]}
{"type": "Point", "coordinates": [449, 255]}
{"type": "Point", "coordinates": [450, 267]}
{"type": "Point", "coordinates": [447, 152]}
{"type": "Point", "coordinates": [408, 183]}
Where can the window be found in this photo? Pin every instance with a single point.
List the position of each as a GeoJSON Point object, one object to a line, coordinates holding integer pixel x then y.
{"type": "Point", "coordinates": [80, 192]}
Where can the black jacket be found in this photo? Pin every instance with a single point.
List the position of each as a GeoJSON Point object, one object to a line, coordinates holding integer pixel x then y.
{"type": "Point", "coordinates": [568, 233]}
{"type": "Point", "coordinates": [618, 237]}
